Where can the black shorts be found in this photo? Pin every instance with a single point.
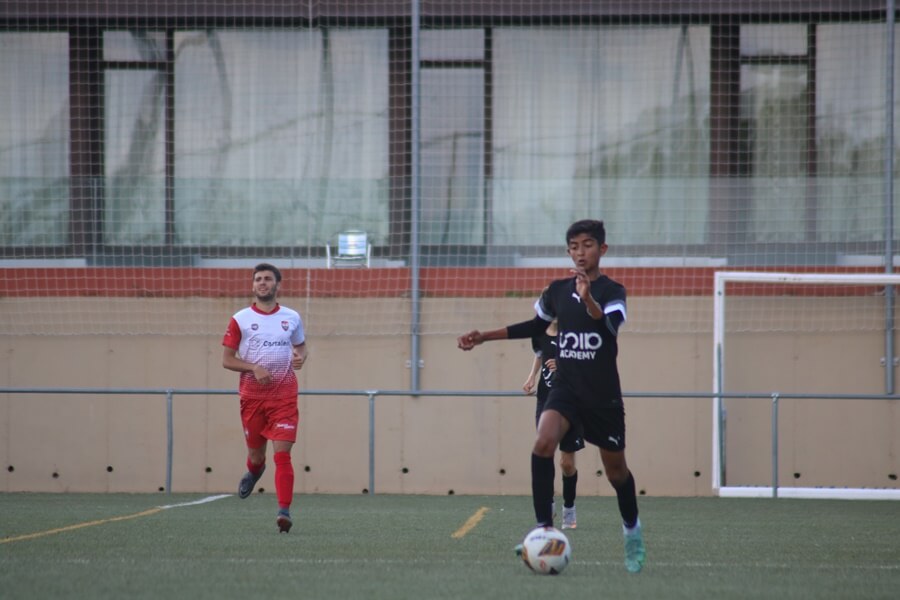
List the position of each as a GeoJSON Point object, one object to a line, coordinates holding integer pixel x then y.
{"type": "Point", "coordinates": [602, 422]}
{"type": "Point", "coordinates": [573, 441]}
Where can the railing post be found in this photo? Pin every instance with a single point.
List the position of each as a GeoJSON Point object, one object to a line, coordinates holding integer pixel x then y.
{"type": "Point", "coordinates": [372, 394]}
{"type": "Point", "coordinates": [170, 435]}
{"type": "Point", "coordinates": [775, 445]}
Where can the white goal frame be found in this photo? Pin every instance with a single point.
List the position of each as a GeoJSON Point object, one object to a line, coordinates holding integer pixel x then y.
{"type": "Point", "coordinates": [720, 281]}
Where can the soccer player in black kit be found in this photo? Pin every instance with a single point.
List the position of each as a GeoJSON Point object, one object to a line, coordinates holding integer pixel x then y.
{"type": "Point", "coordinates": [586, 392]}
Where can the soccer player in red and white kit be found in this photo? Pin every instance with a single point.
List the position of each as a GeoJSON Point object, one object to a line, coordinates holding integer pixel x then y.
{"type": "Point", "coordinates": [265, 343]}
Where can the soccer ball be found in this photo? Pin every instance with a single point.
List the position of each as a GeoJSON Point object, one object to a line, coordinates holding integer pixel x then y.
{"type": "Point", "coordinates": [546, 551]}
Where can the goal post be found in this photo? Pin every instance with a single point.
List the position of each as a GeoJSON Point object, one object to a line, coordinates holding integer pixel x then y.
{"type": "Point", "coordinates": [721, 281]}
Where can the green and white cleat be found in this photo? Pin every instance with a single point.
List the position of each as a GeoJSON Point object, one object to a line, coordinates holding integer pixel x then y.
{"type": "Point", "coordinates": [635, 554]}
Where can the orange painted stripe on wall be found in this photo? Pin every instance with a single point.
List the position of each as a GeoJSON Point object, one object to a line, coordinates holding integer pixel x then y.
{"type": "Point", "coordinates": [473, 282]}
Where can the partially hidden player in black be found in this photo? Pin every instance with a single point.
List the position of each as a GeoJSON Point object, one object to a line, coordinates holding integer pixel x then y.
{"type": "Point", "coordinates": [586, 392]}
{"type": "Point", "coordinates": [539, 382]}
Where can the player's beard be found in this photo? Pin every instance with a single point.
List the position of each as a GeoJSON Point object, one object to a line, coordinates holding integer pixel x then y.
{"type": "Point", "coordinates": [270, 297]}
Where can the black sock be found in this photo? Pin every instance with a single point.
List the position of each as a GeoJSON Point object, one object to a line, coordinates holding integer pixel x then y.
{"type": "Point", "coordinates": [628, 507]}
{"type": "Point", "coordinates": [542, 475]}
{"type": "Point", "coordinates": [569, 483]}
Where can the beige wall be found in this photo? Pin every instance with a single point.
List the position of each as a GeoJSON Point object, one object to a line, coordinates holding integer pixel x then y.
{"type": "Point", "coordinates": [467, 445]}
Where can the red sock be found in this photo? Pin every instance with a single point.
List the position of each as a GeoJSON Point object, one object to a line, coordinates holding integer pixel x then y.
{"type": "Point", "coordinates": [284, 479]}
{"type": "Point", "coordinates": [255, 469]}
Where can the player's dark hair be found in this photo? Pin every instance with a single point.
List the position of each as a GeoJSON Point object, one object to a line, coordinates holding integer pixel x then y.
{"type": "Point", "coordinates": [592, 227]}
{"type": "Point", "coordinates": [268, 267]}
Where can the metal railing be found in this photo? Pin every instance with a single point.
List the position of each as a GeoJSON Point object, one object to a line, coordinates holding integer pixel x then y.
{"type": "Point", "coordinates": [371, 395]}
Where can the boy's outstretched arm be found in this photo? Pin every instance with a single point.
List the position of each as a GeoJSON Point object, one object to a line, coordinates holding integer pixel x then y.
{"type": "Point", "coordinates": [525, 329]}
{"type": "Point", "coordinates": [474, 338]}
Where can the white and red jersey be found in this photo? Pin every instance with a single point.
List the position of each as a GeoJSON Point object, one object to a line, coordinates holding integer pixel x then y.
{"type": "Point", "coordinates": [266, 339]}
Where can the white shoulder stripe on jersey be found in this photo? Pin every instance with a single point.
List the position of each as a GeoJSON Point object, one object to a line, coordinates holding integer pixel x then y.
{"type": "Point", "coordinates": [540, 312]}
{"type": "Point", "coordinates": [615, 306]}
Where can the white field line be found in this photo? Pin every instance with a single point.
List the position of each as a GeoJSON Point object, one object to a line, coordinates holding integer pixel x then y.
{"type": "Point", "coordinates": [196, 502]}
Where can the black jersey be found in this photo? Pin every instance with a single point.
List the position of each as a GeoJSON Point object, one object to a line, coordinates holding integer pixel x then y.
{"type": "Point", "coordinates": [586, 347]}
{"type": "Point", "coordinates": [544, 346]}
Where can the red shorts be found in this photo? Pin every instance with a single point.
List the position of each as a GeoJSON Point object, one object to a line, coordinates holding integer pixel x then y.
{"type": "Point", "coordinates": [274, 420]}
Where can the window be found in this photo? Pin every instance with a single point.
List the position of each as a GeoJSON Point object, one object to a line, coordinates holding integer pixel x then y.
{"type": "Point", "coordinates": [34, 139]}
{"type": "Point", "coordinates": [591, 121]}
{"type": "Point", "coordinates": [280, 136]}
{"type": "Point", "coordinates": [452, 142]}
{"type": "Point", "coordinates": [850, 136]}
{"type": "Point", "coordinates": [134, 138]}
{"type": "Point", "coordinates": [774, 112]}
